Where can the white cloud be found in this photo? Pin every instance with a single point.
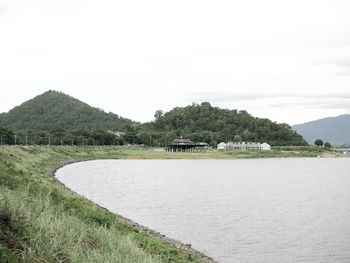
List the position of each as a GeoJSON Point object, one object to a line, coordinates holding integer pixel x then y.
{"type": "Point", "coordinates": [134, 57]}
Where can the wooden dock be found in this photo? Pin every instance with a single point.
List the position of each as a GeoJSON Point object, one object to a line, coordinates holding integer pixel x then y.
{"type": "Point", "coordinates": [187, 148]}
{"type": "Point", "coordinates": [185, 145]}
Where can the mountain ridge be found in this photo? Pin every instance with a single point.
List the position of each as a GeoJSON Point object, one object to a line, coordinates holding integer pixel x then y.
{"type": "Point", "coordinates": [335, 130]}
{"type": "Point", "coordinates": [56, 110]}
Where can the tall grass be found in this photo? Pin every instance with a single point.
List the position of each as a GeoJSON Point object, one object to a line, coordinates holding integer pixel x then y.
{"type": "Point", "coordinates": [49, 236]}
{"type": "Point", "coordinates": [40, 221]}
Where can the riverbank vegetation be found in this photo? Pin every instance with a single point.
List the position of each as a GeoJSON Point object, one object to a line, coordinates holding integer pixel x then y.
{"type": "Point", "coordinates": [41, 221]}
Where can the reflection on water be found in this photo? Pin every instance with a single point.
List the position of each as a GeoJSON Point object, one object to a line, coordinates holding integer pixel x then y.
{"type": "Point", "coordinates": [261, 210]}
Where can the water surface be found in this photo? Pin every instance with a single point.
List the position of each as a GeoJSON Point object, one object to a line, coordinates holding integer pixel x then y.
{"type": "Point", "coordinates": [259, 210]}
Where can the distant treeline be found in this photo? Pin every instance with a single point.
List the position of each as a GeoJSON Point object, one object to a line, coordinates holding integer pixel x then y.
{"type": "Point", "coordinates": [58, 137]}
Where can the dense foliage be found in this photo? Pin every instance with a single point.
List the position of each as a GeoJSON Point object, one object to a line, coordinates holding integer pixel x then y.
{"type": "Point", "coordinates": [6, 136]}
{"type": "Point", "coordinates": [54, 110]}
{"type": "Point", "coordinates": [327, 145]}
{"type": "Point", "coordinates": [67, 137]}
{"type": "Point", "coordinates": [205, 123]}
{"type": "Point", "coordinates": [319, 142]}
{"type": "Point", "coordinates": [59, 137]}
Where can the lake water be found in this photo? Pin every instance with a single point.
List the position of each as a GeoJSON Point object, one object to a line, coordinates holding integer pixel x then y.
{"type": "Point", "coordinates": [259, 210]}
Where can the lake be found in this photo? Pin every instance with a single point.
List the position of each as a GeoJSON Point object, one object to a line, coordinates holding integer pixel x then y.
{"type": "Point", "coordinates": [256, 210]}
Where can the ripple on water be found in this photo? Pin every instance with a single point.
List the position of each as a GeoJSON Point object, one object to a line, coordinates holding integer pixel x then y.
{"type": "Point", "coordinates": [261, 210]}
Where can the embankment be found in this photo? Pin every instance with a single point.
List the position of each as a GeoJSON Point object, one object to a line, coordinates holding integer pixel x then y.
{"type": "Point", "coordinates": [41, 221]}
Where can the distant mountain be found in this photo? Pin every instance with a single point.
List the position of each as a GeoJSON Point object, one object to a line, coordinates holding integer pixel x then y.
{"type": "Point", "coordinates": [54, 110]}
{"type": "Point", "coordinates": [335, 130]}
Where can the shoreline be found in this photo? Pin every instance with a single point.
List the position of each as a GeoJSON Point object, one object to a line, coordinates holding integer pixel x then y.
{"type": "Point", "coordinates": [152, 233]}
{"type": "Point", "coordinates": [32, 169]}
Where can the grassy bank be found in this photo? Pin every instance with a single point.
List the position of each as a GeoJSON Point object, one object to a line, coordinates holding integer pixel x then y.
{"type": "Point", "coordinates": [41, 221]}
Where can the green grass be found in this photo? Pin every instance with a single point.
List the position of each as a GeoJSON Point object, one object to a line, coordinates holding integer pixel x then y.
{"type": "Point", "coordinates": [41, 221]}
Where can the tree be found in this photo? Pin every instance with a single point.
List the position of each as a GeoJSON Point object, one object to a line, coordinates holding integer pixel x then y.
{"type": "Point", "coordinates": [158, 114]}
{"type": "Point", "coordinates": [144, 138]}
{"type": "Point", "coordinates": [327, 145]}
{"type": "Point", "coordinates": [237, 138]}
{"type": "Point", "coordinates": [319, 142]}
{"type": "Point", "coordinates": [6, 135]}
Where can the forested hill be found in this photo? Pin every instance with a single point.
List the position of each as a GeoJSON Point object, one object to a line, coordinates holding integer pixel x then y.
{"type": "Point", "coordinates": [54, 110]}
{"type": "Point", "coordinates": [205, 123]}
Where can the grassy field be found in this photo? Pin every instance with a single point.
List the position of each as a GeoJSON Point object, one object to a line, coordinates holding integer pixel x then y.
{"type": "Point", "coordinates": [41, 221]}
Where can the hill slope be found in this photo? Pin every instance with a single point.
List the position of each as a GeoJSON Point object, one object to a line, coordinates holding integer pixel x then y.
{"type": "Point", "coordinates": [204, 123]}
{"type": "Point", "coordinates": [335, 130]}
{"type": "Point", "coordinates": [55, 110]}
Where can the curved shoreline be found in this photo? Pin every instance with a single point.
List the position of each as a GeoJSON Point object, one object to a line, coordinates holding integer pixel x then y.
{"type": "Point", "coordinates": [175, 243]}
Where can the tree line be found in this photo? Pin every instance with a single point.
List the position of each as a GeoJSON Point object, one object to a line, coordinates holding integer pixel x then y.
{"type": "Point", "coordinates": [320, 143]}
{"type": "Point", "coordinates": [73, 137]}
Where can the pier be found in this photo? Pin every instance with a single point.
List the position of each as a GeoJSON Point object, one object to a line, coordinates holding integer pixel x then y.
{"type": "Point", "coordinates": [185, 145]}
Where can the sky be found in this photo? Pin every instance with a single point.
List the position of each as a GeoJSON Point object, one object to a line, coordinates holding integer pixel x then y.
{"type": "Point", "coordinates": [288, 61]}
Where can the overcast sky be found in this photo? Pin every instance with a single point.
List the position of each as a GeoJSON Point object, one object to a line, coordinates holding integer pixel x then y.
{"type": "Point", "coordinates": [288, 61]}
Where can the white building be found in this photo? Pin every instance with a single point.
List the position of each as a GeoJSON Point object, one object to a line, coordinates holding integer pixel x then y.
{"type": "Point", "coordinates": [221, 146]}
{"type": "Point", "coordinates": [265, 146]}
{"type": "Point", "coordinates": [243, 146]}
{"type": "Point", "coordinates": [116, 133]}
